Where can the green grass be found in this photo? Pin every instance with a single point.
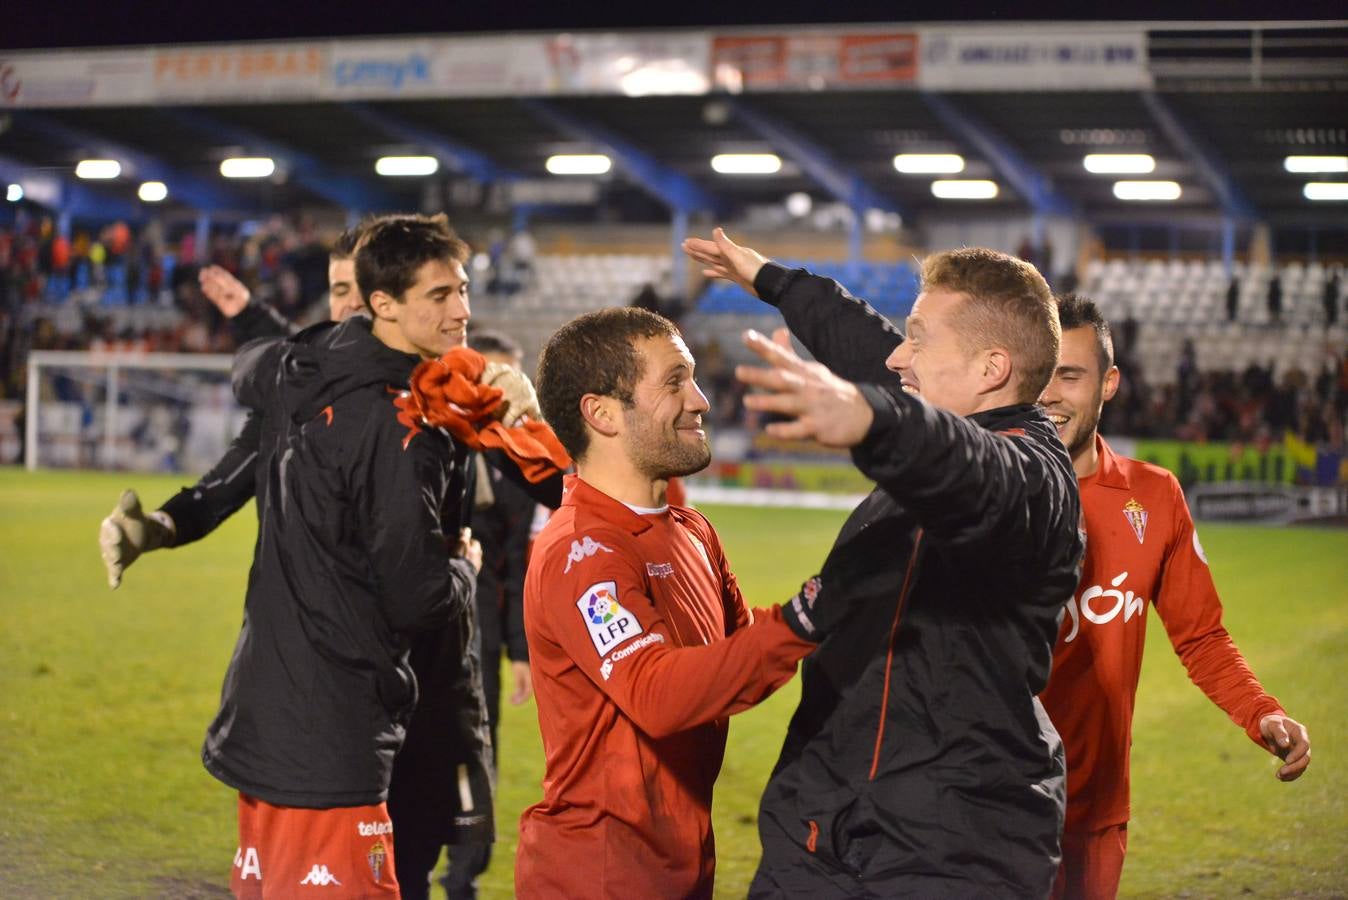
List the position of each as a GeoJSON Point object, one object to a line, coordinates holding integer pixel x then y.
{"type": "Point", "coordinates": [106, 697]}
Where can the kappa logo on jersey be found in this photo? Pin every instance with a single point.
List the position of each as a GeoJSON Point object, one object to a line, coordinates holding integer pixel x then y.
{"type": "Point", "coordinates": [608, 622]}
{"type": "Point", "coordinates": [246, 860]}
{"type": "Point", "coordinates": [1085, 607]}
{"type": "Point", "coordinates": [659, 570]}
{"type": "Point", "coordinates": [376, 856]}
{"type": "Point", "coordinates": [1136, 514]}
{"type": "Point", "coordinates": [320, 876]}
{"type": "Point", "coordinates": [654, 637]}
{"type": "Point", "coordinates": [582, 550]}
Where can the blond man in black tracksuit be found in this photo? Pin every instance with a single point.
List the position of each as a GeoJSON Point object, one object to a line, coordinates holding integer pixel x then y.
{"type": "Point", "coordinates": [919, 762]}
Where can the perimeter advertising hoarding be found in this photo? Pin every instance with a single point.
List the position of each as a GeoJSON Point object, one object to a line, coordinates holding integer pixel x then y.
{"type": "Point", "coordinates": [613, 63]}
{"type": "Point", "coordinates": [768, 62]}
{"type": "Point", "coordinates": [1042, 59]}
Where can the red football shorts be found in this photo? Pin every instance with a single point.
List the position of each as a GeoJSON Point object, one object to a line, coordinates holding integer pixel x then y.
{"type": "Point", "coordinates": [286, 851]}
{"type": "Point", "coordinates": [1092, 862]}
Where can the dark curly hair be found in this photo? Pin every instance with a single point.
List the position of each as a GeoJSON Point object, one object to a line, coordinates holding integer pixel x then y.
{"type": "Point", "coordinates": [593, 354]}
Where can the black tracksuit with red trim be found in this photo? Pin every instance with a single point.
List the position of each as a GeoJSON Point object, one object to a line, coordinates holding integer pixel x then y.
{"type": "Point", "coordinates": [919, 762]}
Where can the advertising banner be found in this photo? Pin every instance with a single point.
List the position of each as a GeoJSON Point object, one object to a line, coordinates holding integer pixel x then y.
{"type": "Point", "coordinates": [767, 62]}
{"type": "Point", "coordinates": [83, 78]}
{"type": "Point", "coordinates": [1015, 59]}
{"type": "Point", "coordinates": [243, 72]}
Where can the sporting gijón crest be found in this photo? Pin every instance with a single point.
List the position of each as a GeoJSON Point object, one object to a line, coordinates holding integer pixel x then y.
{"type": "Point", "coordinates": [1136, 515]}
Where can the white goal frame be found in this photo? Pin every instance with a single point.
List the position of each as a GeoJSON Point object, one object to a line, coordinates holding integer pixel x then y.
{"type": "Point", "coordinates": [113, 363]}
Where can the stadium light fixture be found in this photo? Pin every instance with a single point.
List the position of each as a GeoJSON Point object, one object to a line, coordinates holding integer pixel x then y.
{"type": "Point", "coordinates": [247, 167]}
{"type": "Point", "coordinates": [406, 165]}
{"type": "Point", "coordinates": [1119, 163]}
{"type": "Point", "coordinates": [799, 204]}
{"type": "Point", "coordinates": [964, 189]}
{"type": "Point", "coordinates": [579, 164]}
{"type": "Point", "coordinates": [1147, 190]}
{"type": "Point", "coordinates": [1303, 164]}
{"type": "Point", "coordinates": [1326, 190]}
{"type": "Point", "coordinates": [929, 163]}
{"type": "Point", "coordinates": [152, 191]}
{"type": "Point", "coordinates": [15, 193]}
{"type": "Point", "coordinates": [98, 169]}
{"type": "Point", "coordinates": [746, 163]}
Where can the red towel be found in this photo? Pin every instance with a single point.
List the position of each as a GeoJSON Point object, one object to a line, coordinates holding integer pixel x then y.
{"type": "Point", "coordinates": [447, 392]}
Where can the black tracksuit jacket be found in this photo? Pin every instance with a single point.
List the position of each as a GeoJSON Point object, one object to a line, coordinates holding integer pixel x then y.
{"type": "Point", "coordinates": [919, 762]}
{"type": "Point", "coordinates": [355, 511]}
{"type": "Point", "coordinates": [446, 740]}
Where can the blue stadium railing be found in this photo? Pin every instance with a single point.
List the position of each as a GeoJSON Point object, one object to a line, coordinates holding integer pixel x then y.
{"type": "Point", "coordinates": [889, 287]}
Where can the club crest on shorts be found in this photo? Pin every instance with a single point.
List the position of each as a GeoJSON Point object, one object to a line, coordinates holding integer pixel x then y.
{"type": "Point", "coordinates": [1136, 515]}
{"type": "Point", "coordinates": [375, 857]}
{"type": "Point", "coordinates": [608, 622]}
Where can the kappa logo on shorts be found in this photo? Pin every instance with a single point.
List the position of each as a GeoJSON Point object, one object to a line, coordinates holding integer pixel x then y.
{"type": "Point", "coordinates": [245, 858]}
{"type": "Point", "coordinates": [582, 550]}
{"type": "Point", "coordinates": [321, 877]}
{"type": "Point", "coordinates": [608, 622]}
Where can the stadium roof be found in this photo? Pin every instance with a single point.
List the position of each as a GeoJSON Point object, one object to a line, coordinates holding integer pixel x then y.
{"type": "Point", "coordinates": [1223, 111]}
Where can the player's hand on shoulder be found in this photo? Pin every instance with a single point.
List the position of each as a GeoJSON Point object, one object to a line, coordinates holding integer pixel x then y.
{"type": "Point", "coordinates": [1289, 741]}
{"type": "Point", "coordinates": [520, 398]}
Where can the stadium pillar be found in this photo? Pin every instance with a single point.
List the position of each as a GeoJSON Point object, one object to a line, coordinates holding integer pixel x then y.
{"type": "Point", "coordinates": [203, 238]}
{"type": "Point", "coordinates": [1228, 245]}
{"type": "Point", "coordinates": [678, 271]}
{"type": "Point", "coordinates": [856, 236]}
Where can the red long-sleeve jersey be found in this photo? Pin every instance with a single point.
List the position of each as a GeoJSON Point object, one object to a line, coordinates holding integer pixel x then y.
{"type": "Point", "coordinates": [1141, 549]}
{"type": "Point", "coordinates": [641, 646]}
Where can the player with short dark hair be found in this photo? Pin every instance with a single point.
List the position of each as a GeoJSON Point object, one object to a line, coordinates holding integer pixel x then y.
{"type": "Point", "coordinates": [640, 643]}
{"type": "Point", "coordinates": [1141, 548]}
{"type": "Point", "coordinates": [355, 554]}
{"type": "Point", "coordinates": [919, 762]}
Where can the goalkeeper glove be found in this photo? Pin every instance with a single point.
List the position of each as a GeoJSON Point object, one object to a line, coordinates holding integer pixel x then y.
{"type": "Point", "coordinates": [127, 533]}
{"type": "Point", "coordinates": [521, 399]}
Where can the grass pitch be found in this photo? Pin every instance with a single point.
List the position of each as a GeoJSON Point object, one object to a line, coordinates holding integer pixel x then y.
{"type": "Point", "coordinates": [106, 697]}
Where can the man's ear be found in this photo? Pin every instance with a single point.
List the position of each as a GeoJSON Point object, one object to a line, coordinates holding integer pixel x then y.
{"type": "Point", "coordinates": [1111, 384]}
{"type": "Point", "coordinates": [996, 369]}
{"type": "Point", "coordinates": [601, 413]}
{"type": "Point", "coordinates": [384, 306]}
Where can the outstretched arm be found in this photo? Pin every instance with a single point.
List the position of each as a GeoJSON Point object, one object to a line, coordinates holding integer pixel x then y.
{"type": "Point", "coordinates": [843, 332]}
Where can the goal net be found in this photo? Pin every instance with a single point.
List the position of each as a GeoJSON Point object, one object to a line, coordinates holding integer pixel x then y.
{"type": "Point", "coordinates": [145, 412]}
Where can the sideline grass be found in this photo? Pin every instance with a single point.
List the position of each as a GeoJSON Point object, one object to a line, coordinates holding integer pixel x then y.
{"type": "Point", "coordinates": [106, 697]}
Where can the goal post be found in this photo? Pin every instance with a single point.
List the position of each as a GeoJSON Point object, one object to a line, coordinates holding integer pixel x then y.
{"type": "Point", "coordinates": [168, 412]}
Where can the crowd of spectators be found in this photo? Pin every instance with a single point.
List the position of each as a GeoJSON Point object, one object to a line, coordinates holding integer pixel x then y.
{"type": "Point", "coordinates": [1255, 406]}
{"type": "Point", "coordinates": [284, 261]}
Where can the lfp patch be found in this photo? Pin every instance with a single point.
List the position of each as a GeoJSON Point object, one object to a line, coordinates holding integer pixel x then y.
{"type": "Point", "coordinates": [608, 621]}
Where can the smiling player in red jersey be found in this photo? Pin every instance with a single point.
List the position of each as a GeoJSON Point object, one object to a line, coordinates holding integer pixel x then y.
{"type": "Point", "coordinates": [1141, 548]}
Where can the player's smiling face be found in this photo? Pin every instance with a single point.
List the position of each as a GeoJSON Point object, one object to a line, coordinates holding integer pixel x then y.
{"type": "Point", "coordinates": [1078, 390]}
{"type": "Point", "coordinates": [663, 427]}
{"type": "Point", "coordinates": [431, 317]}
{"type": "Point", "coordinates": [344, 298]}
{"type": "Point", "coordinates": [932, 361]}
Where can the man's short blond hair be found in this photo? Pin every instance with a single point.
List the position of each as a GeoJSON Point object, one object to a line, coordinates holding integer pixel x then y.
{"type": "Point", "coordinates": [1007, 304]}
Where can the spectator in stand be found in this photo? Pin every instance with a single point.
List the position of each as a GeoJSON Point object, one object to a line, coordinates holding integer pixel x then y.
{"type": "Point", "coordinates": [1232, 299]}
{"type": "Point", "coordinates": [1330, 299]}
{"type": "Point", "coordinates": [1275, 299]}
